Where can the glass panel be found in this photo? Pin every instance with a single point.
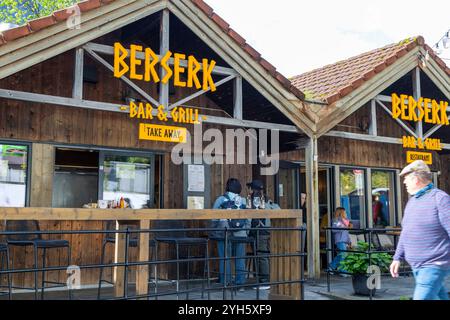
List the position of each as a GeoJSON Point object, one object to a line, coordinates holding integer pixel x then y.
{"type": "Point", "coordinates": [353, 195]}
{"type": "Point", "coordinates": [127, 177]}
{"type": "Point", "coordinates": [382, 198]}
{"type": "Point", "coordinates": [13, 175]}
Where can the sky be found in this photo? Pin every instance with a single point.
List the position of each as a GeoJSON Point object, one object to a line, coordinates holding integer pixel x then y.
{"type": "Point", "coordinates": [299, 36]}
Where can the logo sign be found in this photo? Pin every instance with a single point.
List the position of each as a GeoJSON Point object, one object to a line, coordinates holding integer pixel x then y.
{"type": "Point", "coordinates": [424, 109]}
{"type": "Point", "coordinates": [412, 156]}
{"type": "Point", "coordinates": [418, 143]}
{"type": "Point", "coordinates": [162, 133]}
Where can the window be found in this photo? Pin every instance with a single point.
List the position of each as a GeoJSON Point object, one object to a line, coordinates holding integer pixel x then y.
{"type": "Point", "coordinates": [383, 208]}
{"type": "Point", "coordinates": [129, 177]}
{"type": "Point", "coordinates": [13, 175]}
{"type": "Point", "coordinates": [352, 190]}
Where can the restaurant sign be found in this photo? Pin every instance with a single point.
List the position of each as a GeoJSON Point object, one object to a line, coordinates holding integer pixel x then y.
{"type": "Point", "coordinates": [412, 156]}
{"type": "Point", "coordinates": [176, 66]}
{"type": "Point", "coordinates": [426, 110]}
{"type": "Point", "coordinates": [162, 133]}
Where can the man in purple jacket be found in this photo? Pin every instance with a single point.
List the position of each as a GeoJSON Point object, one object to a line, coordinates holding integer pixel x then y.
{"type": "Point", "coordinates": [425, 239]}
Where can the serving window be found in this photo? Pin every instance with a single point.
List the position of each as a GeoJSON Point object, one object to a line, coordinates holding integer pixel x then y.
{"type": "Point", "coordinates": [13, 174]}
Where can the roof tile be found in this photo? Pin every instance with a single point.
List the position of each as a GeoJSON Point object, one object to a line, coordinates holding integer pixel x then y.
{"type": "Point", "coordinates": [251, 51]}
{"type": "Point", "coordinates": [334, 81]}
{"type": "Point", "coordinates": [41, 23]}
{"type": "Point", "coordinates": [269, 67]}
{"type": "Point", "coordinates": [87, 5]}
{"type": "Point", "coordinates": [220, 22]}
{"type": "Point", "coordinates": [204, 7]}
{"type": "Point", "coordinates": [236, 37]}
{"type": "Point", "coordinates": [63, 14]}
{"type": "Point", "coordinates": [14, 33]}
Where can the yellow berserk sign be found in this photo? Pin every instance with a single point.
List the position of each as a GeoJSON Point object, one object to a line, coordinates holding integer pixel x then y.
{"type": "Point", "coordinates": [412, 156]}
{"type": "Point", "coordinates": [162, 133]}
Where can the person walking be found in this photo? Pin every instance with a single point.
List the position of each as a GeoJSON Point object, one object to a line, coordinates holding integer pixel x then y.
{"type": "Point", "coordinates": [341, 237]}
{"type": "Point", "coordinates": [425, 238]}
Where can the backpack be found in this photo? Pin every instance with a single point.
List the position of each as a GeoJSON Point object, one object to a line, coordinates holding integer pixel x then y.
{"type": "Point", "coordinates": [230, 204]}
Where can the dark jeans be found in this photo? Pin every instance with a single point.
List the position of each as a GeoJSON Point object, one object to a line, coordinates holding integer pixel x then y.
{"type": "Point", "coordinates": [263, 248]}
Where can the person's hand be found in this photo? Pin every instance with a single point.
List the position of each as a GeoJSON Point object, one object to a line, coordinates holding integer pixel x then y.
{"type": "Point", "coordinates": [395, 265]}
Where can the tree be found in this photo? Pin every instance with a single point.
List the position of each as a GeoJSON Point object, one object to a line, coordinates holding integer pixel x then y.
{"type": "Point", "coordinates": [20, 11]}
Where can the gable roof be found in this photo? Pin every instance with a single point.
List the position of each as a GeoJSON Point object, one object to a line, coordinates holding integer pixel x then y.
{"type": "Point", "coordinates": [62, 15]}
{"type": "Point", "coordinates": [335, 81]}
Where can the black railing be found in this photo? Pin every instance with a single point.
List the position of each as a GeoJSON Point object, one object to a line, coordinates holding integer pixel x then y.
{"type": "Point", "coordinates": [371, 236]}
{"type": "Point", "coordinates": [228, 288]}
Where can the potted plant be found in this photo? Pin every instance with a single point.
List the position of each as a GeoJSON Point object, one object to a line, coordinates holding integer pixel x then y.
{"type": "Point", "coordinates": [357, 265]}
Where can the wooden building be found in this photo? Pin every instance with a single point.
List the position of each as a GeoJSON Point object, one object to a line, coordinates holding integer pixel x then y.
{"type": "Point", "coordinates": [63, 127]}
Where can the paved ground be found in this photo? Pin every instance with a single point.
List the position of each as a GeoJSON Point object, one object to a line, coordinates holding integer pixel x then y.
{"type": "Point", "coordinates": [340, 289]}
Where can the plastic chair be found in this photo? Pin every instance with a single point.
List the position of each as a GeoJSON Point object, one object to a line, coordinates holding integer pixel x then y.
{"type": "Point", "coordinates": [34, 239]}
{"type": "Point", "coordinates": [4, 253]}
{"type": "Point", "coordinates": [110, 238]}
{"type": "Point", "coordinates": [188, 242]}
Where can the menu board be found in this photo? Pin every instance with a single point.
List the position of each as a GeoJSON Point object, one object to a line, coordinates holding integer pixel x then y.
{"type": "Point", "coordinates": [196, 178]}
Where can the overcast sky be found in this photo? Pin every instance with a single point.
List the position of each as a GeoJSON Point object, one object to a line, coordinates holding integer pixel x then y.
{"type": "Point", "coordinates": [298, 36]}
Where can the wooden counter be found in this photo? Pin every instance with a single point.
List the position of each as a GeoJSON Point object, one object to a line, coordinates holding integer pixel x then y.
{"type": "Point", "coordinates": [282, 242]}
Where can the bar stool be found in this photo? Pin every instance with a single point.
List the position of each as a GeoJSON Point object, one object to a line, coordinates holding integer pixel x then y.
{"type": "Point", "coordinates": [186, 242]}
{"type": "Point", "coordinates": [36, 241]}
{"type": "Point", "coordinates": [133, 242]}
{"type": "Point", "coordinates": [4, 266]}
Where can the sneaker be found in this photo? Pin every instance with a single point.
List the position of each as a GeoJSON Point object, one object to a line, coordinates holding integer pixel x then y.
{"type": "Point", "coordinates": [262, 287]}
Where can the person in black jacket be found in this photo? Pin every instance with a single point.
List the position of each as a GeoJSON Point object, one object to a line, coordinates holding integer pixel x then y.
{"type": "Point", "coordinates": [262, 236]}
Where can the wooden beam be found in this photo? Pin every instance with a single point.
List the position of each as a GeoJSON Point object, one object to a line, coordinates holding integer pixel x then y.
{"type": "Point", "coordinates": [432, 130]}
{"type": "Point", "coordinates": [54, 44]}
{"type": "Point", "coordinates": [164, 47]}
{"type": "Point", "coordinates": [109, 50]}
{"type": "Point", "coordinates": [199, 93]}
{"type": "Point", "coordinates": [367, 137]}
{"type": "Point", "coordinates": [238, 99]}
{"type": "Point", "coordinates": [312, 212]}
{"type": "Point", "coordinates": [140, 214]}
{"type": "Point", "coordinates": [400, 122]}
{"type": "Point", "coordinates": [77, 92]}
{"type": "Point", "coordinates": [123, 78]}
{"type": "Point", "coordinates": [373, 129]}
{"type": "Point", "coordinates": [103, 106]}
{"type": "Point", "coordinates": [417, 94]}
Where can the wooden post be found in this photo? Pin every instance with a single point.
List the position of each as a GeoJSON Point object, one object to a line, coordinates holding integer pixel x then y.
{"type": "Point", "coordinates": [163, 48]}
{"type": "Point", "coordinates": [142, 271]}
{"type": "Point", "coordinates": [312, 209]}
{"type": "Point", "coordinates": [285, 268]}
{"type": "Point", "coordinates": [119, 272]}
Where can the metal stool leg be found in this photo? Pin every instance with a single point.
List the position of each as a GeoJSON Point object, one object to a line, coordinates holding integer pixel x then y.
{"type": "Point", "coordinates": [178, 269]}
{"type": "Point", "coordinates": [156, 270]}
{"type": "Point", "coordinates": [102, 259]}
{"type": "Point", "coordinates": [35, 272]}
{"type": "Point", "coordinates": [69, 255]}
{"type": "Point", "coordinates": [43, 272]}
{"type": "Point", "coordinates": [8, 275]}
{"type": "Point", "coordinates": [188, 274]}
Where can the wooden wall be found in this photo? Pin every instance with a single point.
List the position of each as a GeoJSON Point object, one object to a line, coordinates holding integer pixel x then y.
{"type": "Point", "coordinates": [45, 125]}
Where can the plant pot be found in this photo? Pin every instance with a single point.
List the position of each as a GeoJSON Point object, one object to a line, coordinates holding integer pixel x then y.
{"type": "Point", "coordinates": [359, 282]}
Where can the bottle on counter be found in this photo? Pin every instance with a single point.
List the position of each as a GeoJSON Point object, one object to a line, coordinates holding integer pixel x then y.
{"type": "Point", "coordinates": [263, 201]}
{"type": "Point", "coordinates": [122, 203]}
{"type": "Point", "coordinates": [249, 202]}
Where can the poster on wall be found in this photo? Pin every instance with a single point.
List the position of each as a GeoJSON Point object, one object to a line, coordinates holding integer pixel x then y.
{"type": "Point", "coordinates": [3, 169]}
{"type": "Point", "coordinates": [195, 202]}
{"type": "Point", "coordinates": [196, 178]}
